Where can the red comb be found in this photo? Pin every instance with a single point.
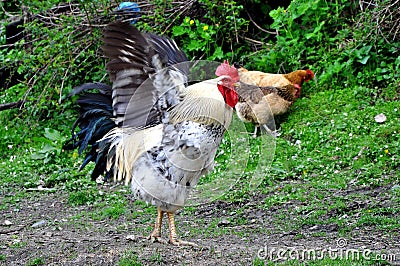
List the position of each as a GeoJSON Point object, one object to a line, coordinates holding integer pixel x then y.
{"type": "Point", "coordinates": [226, 70]}
{"type": "Point", "coordinates": [309, 72]}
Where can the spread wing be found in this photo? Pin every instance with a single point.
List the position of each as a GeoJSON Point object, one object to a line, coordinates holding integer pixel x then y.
{"type": "Point", "coordinates": [146, 80]}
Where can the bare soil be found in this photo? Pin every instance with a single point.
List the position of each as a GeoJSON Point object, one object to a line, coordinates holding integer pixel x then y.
{"type": "Point", "coordinates": [45, 227]}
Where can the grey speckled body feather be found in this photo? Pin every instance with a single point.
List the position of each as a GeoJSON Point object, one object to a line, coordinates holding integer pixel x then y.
{"type": "Point", "coordinates": [164, 162]}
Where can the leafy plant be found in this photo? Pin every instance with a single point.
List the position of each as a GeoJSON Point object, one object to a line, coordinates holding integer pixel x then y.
{"type": "Point", "coordinates": [51, 145]}
{"type": "Point", "coordinates": [197, 38]}
{"type": "Point", "coordinates": [208, 37]}
{"type": "Point", "coordinates": [53, 57]}
{"type": "Point", "coordinates": [330, 37]}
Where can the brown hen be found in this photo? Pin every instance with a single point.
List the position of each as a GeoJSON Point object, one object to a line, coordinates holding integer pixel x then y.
{"type": "Point", "coordinates": [258, 105]}
{"type": "Point", "coordinates": [263, 96]}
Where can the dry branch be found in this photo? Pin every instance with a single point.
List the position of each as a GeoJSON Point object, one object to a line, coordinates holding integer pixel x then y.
{"type": "Point", "coordinates": [6, 106]}
{"type": "Point", "coordinates": [386, 18]}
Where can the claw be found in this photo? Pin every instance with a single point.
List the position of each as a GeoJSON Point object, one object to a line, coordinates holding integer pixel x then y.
{"type": "Point", "coordinates": [178, 242]}
{"type": "Point", "coordinates": [157, 239]}
{"type": "Point", "coordinates": [173, 237]}
{"type": "Point", "coordinates": [155, 236]}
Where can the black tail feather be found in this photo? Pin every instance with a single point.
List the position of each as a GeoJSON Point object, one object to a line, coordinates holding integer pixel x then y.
{"type": "Point", "coordinates": [95, 121]}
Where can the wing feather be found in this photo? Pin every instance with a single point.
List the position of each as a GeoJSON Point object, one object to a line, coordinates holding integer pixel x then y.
{"type": "Point", "coordinates": [134, 58]}
{"type": "Point", "coordinates": [253, 93]}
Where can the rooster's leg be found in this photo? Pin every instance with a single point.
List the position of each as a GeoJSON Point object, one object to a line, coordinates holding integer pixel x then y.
{"type": "Point", "coordinates": [173, 237]}
{"type": "Point", "coordinates": [156, 234]}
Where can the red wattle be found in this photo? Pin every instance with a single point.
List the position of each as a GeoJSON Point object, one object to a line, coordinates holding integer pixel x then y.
{"type": "Point", "coordinates": [221, 90]}
{"type": "Point", "coordinates": [230, 96]}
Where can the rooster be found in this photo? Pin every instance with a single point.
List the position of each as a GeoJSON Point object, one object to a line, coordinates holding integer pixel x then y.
{"type": "Point", "coordinates": [150, 130]}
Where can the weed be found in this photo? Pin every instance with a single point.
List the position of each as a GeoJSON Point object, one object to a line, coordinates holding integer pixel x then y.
{"type": "Point", "coordinates": [156, 258]}
{"type": "Point", "coordinates": [36, 262]}
{"type": "Point", "coordinates": [114, 211]}
{"type": "Point", "coordinates": [17, 244]}
{"type": "Point", "coordinates": [129, 259]}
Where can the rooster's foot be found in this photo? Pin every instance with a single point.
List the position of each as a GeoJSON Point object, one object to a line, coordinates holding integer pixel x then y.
{"type": "Point", "coordinates": [178, 242]}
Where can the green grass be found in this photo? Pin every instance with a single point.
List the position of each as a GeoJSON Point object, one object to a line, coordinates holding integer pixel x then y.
{"type": "Point", "coordinates": [329, 143]}
{"type": "Point", "coordinates": [129, 259]}
{"type": "Point", "coordinates": [35, 262]}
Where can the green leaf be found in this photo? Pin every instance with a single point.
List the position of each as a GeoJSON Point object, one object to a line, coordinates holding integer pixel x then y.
{"type": "Point", "coordinates": [178, 30]}
{"type": "Point", "coordinates": [38, 156]}
{"type": "Point", "coordinates": [301, 9]}
{"type": "Point", "coordinates": [397, 62]}
{"type": "Point", "coordinates": [364, 60]}
{"type": "Point", "coordinates": [318, 28]}
{"type": "Point", "coordinates": [52, 134]}
{"type": "Point", "coordinates": [365, 49]}
{"type": "Point", "coordinates": [218, 54]}
{"type": "Point", "coordinates": [278, 16]}
{"type": "Point", "coordinates": [48, 148]}
{"type": "Point", "coordinates": [194, 45]}
{"type": "Point", "coordinates": [21, 69]}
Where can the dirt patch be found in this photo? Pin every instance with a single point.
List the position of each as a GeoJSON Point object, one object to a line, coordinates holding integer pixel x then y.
{"type": "Point", "coordinates": [45, 226]}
